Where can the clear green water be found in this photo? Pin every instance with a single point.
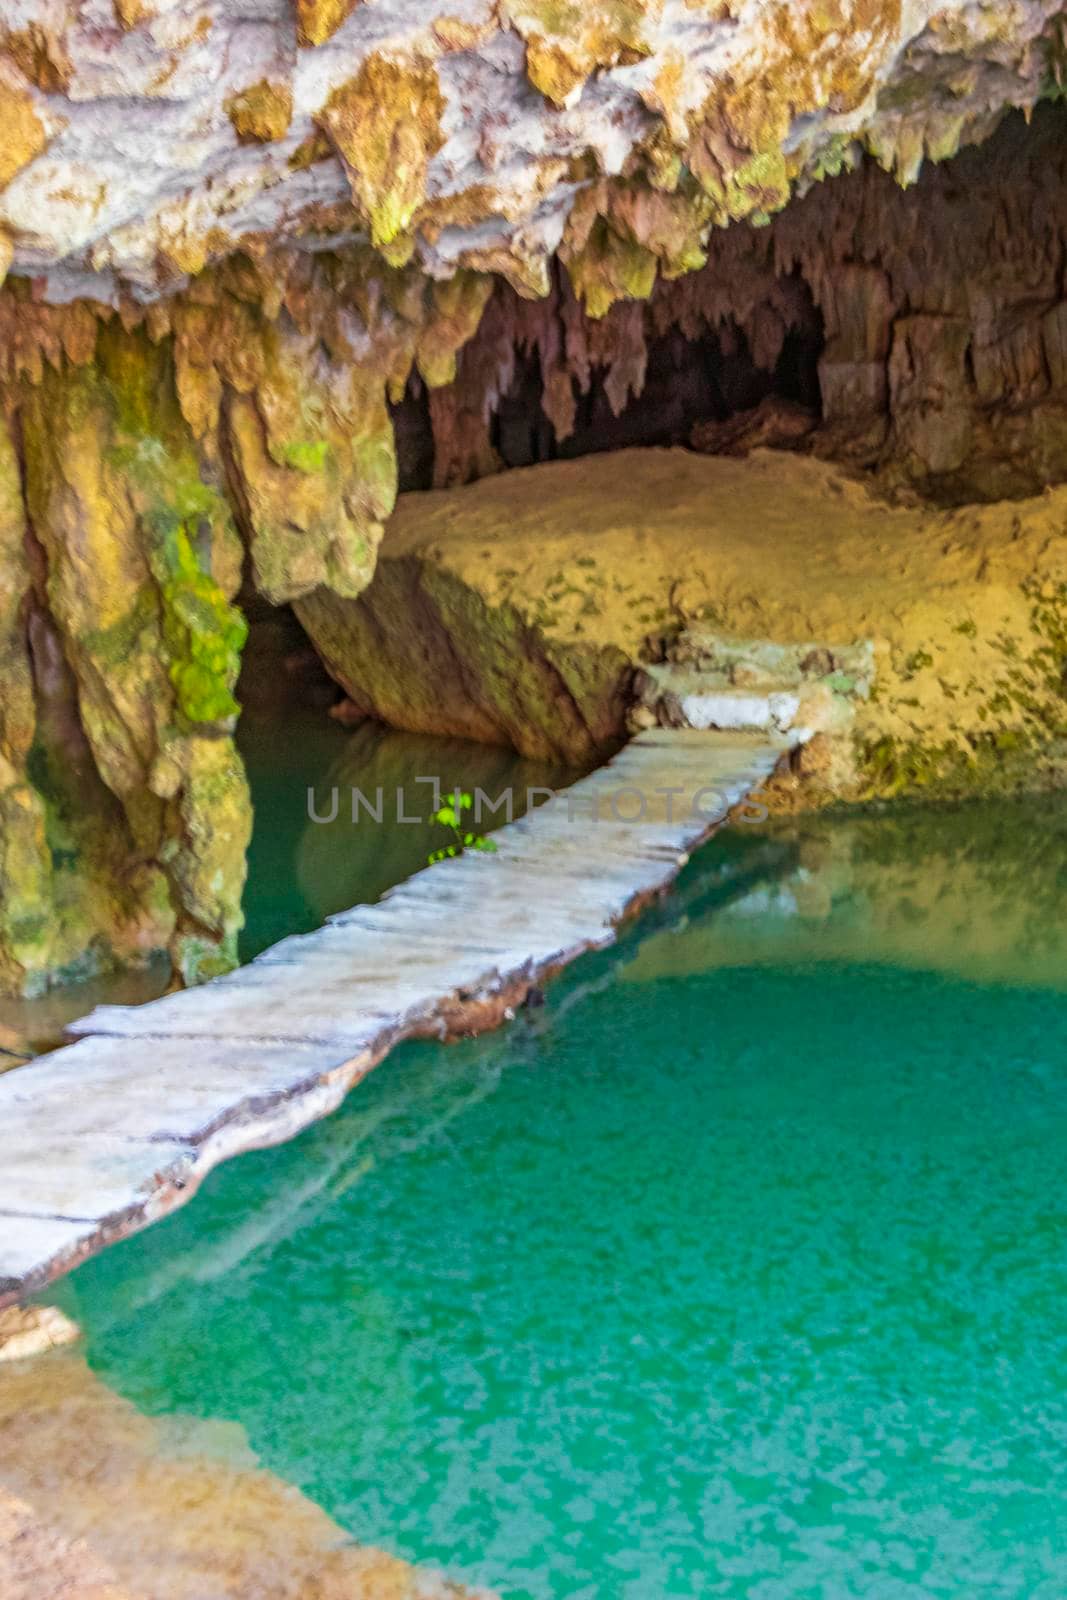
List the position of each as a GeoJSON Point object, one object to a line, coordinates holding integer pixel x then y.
{"type": "Point", "coordinates": [718, 1276]}
{"type": "Point", "coordinates": [301, 871]}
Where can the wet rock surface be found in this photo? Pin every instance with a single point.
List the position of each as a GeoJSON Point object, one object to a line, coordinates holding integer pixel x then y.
{"type": "Point", "coordinates": [36, 1560]}
{"type": "Point", "coordinates": [98, 1502]}
{"type": "Point", "coordinates": [262, 265]}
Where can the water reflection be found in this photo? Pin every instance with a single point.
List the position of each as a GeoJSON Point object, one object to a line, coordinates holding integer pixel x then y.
{"type": "Point", "coordinates": [28, 1027]}
{"type": "Point", "coordinates": [300, 872]}
{"type": "Point", "coordinates": [340, 862]}
{"type": "Point", "coordinates": [977, 891]}
{"type": "Point", "coordinates": [743, 1254]}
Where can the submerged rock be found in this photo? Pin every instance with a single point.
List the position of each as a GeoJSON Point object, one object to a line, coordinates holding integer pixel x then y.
{"type": "Point", "coordinates": [37, 1560]}
{"type": "Point", "coordinates": [98, 1502]}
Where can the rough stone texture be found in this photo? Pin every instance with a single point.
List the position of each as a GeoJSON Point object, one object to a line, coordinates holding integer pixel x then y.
{"type": "Point", "coordinates": [138, 560]}
{"type": "Point", "coordinates": [426, 650]}
{"type": "Point", "coordinates": [110, 1133]}
{"type": "Point", "coordinates": [921, 330]}
{"type": "Point", "coordinates": [236, 235]}
{"type": "Point", "coordinates": [599, 563]}
{"type": "Point", "coordinates": [142, 457]}
{"type": "Point", "coordinates": [98, 1502]}
{"type": "Point", "coordinates": [31, 1330]}
{"type": "Point", "coordinates": [37, 1561]}
{"type": "Point", "coordinates": [147, 137]}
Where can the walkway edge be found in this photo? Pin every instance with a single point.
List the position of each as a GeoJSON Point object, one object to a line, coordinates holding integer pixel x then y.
{"type": "Point", "coordinates": [108, 1134]}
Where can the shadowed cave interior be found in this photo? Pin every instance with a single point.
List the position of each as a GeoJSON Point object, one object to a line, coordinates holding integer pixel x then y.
{"type": "Point", "coordinates": [690, 385]}
{"type": "Point", "coordinates": [898, 354]}
{"type": "Point", "coordinates": [710, 378]}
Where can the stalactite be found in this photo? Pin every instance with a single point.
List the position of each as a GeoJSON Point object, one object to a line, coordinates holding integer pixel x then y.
{"type": "Point", "coordinates": [151, 445]}
{"type": "Point", "coordinates": [154, 446]}
{"type": "Point", "coordinates": [940, 311]}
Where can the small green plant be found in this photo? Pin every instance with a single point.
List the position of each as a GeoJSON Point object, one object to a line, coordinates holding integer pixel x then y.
{"type": "Point", "coordinates": [451, 816]}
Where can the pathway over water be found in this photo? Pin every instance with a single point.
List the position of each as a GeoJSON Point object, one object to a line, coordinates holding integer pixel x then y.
{"type": "Point", "coordinates": [116, 1130]}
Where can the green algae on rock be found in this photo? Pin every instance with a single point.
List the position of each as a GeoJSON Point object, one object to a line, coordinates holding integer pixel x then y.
{"type": "Point", "coordinates": [139, 557]}
{"type": "Point", "coordinates": [26, 934]}
{"type": "Point", "coordinates": [518, 609]}
{"type": "Point", "coordinates": [457, 133]}
{"type": "Point", "coordinates": [198, 366]}
{"type": "Point", "coordinates": [145, 456]}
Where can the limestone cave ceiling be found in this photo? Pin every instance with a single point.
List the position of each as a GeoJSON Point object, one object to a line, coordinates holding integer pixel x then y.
{"type": "Point", "coordinates": [239, 237]}
{"type": "Point", "coordinates": [144, 139]}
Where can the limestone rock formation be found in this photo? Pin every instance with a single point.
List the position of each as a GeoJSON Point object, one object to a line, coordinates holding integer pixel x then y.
{"type": "Point", "coordinates": [916, 332]}
{"type": "Point", "coordinates": [145, 138]}
{"type": "Point", "coordinates": [100, 1502]}
{"type": "Point", "coordinates": [518, 609]}
{"type": "Point", "coordinates": [32, 1330]}
{"type": "Point", "coordinates": [144, 456]}
{"type": "Point", "coordinates": [35, 1559]}
{"type": "Point", "coordinates": [242, 241]}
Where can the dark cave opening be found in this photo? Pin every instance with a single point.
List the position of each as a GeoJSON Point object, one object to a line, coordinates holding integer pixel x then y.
{"type": "Point", "coordinates": [280, 667]}
{"type": "Point", "coordinates": [708, 392]}
{"type": "Point", "coordinates": [413, 437]}
{"type": "Point", "coordinates": [690, 383]}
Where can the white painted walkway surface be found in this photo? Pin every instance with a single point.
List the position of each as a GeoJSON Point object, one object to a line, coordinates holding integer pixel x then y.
{"type": "Point", "coordinates": [103, 1136]}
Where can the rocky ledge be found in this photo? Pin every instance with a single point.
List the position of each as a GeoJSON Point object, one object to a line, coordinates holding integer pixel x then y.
{"type": "Point", "coordinates": [925, 647]}
{"type": "Point", "coordinates": [266, 263]}
{"type": "Point", "coordinates": [98, 1502]}
{"type": "Point", "coordinates": [147, 138]}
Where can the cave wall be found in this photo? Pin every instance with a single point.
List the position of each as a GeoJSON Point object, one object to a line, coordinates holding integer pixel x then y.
{"type": "Point", "coordinates": [149, 462]}
{"type": "Point", "coordinates": [148, 139]}
{"type": "Point", "coordinates": [924, 328]}
{"type": "Point", "coordinates": [157, 452]}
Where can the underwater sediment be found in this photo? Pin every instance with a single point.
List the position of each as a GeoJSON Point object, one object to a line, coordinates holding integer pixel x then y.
{"type": "Point", "coordinates": [267, 265]}
{"type": "Point", "coordinates": [73, 1450]}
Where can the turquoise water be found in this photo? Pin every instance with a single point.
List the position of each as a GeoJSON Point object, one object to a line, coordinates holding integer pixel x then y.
{"type": "Point", "coordinates": [301, 871]}
{"type": "Point", "coordinates": [713, 1277]}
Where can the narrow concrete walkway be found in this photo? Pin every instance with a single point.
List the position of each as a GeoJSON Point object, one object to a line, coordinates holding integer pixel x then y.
{"type": "Point", "coordinates": [107, 1134]}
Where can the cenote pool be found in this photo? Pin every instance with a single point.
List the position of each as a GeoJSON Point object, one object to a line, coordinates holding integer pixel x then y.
{"type": "Point", "coordinates": [737, 1269]}
{"type": "Point", "coordinates": [307, 859]}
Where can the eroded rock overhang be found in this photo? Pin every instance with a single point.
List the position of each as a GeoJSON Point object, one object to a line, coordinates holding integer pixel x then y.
{"type": "Point", "coordinates": [146, 139]}
{"type": "Point", "coordinates": [237, 236]}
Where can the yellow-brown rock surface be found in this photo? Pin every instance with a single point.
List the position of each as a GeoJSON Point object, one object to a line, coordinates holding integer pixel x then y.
{"type": "Point", "coordinates": [141, 457]}
{"type": "Point", "coordinates": [516, 608]}
{"type": "Point", "coordinates": [98, 1502]}
{"type": "Point", "coordinates": [146, 139]}
{"type": "Point", "coordinates": [235, 241]}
